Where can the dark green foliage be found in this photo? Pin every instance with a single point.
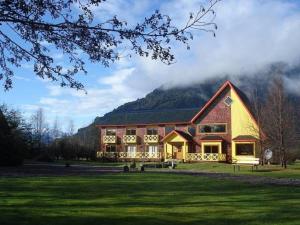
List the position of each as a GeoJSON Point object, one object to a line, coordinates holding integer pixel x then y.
{"type": "Point", "coordinates": [13, 138]}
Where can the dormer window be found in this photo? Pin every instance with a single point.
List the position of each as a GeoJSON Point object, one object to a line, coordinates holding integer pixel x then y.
{"type": "Point", "coordinates": [228, 101]}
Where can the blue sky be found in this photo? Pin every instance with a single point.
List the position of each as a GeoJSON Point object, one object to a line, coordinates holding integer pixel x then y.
{"type": "Point", "coordinates": [251, 35]}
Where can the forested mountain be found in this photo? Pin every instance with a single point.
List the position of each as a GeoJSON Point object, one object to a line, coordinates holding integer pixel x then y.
{"type": "Point", "coordinates": [195, 95]}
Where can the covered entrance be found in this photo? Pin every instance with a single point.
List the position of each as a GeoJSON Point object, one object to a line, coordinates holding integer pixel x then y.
{"type": "Point", "coordinates": [176, 145]}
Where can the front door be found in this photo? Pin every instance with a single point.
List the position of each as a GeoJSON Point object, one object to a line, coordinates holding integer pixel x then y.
{"type": "Point", "coordinates": [177, 151]}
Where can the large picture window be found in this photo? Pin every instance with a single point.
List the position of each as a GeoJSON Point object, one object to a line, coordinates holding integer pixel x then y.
{"type": "Point", "coordinates": [111, 148]}
{"type": "Point", "coordinates": [212, 128]}
{"type": "Point", "coordinates": [244, 149]}
{"type": "Point", "coordinates": [211, 149]}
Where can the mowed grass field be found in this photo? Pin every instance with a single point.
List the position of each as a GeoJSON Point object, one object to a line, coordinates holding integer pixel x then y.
{"type": "Point", "coordinates": [276, 171]}
{"type": "Point", "coordinates": [144, 198]}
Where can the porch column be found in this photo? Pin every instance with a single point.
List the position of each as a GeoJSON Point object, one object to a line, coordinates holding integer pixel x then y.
{"type": "Point", "coordinates": [184, 151]}
{"type": "Point", "coordinates": [165, 150]}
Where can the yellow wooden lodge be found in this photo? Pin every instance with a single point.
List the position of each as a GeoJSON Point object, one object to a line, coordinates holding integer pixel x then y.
{"type": "Point", "coordinates": [223, 130]}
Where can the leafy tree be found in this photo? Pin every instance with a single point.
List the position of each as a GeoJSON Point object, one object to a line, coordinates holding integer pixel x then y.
{"type": "Point", "coordinates": [70, 26]}
{"type": "Point", "coordinates": [14, 137]}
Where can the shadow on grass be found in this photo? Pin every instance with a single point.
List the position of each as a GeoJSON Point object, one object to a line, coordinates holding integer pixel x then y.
{"type": "Point", "coordinates": [144, 199]}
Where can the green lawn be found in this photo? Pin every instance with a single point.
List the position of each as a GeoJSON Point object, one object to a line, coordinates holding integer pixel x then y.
{"type": "Point", "coordinates": [144, 199]}
{"type": "Point", "coordinates": [293, 170]}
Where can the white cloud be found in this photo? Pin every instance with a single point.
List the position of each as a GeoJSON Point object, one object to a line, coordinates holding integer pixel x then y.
{"type": "Point", "coordinates": [113, 90]}
{"type": "Point", "coordinates": [251, 35]}
{"type": "Point", "coordinates": [21, 78]}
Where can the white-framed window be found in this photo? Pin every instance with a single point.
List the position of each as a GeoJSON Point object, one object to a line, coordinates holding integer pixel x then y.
{"type": "Point", "coordinates": [131, 151]}
{"type": "Point", "coordinates": [211, 149]}
{"type": "Point", "coordinates": [153, 150]}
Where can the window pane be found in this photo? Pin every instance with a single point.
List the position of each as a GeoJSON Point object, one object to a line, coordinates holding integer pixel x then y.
{"type": "Point", "coordinates": [111, 132]}
{"type": "Point", "coordinates": [152, 149]}
{"type": "Point", "coordinates": [206, 149]}
{"type": "Point", "coordinates": [214, 149]}
{"type": "Point", "coordinates": [244, 149]}
{"type": "Point", "coordinates": [205, 129]}
{"type": "Point", "coordinates": [130, 132]}
{"type": "Point", "coordinates": [213, 128]}
{"type": "Point", "coordinates": [211, 149]}
{"type": "Point", "coordinates": [111, 148]}
{"type": "Point", "coordinates": [219, 128]}
{"type": "Point", "coordinates": [151, 131]}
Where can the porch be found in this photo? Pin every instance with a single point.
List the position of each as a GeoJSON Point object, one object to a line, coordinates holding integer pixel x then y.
{"type": "Point", "coordinates": [180, 146]}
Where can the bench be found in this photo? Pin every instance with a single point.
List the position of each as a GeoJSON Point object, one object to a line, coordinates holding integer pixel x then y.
{"type": "Point", "coordinates": [170, 163]}
{"type": "Point", "coordinates": [253, 162]}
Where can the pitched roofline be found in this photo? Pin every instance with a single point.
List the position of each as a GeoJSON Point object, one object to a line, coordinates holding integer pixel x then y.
{"type": "Point", "coordinates": [245, 106]}
{"type": "Point", "coordinates": [227, 83]}
{"type": "Point", "coordinates": [220, 90]}
{"type": "Point", "coordinates": [173, 131]}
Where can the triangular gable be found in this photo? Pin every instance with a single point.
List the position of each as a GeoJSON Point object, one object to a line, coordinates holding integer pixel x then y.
{"type": "Point", "coordinates": [210, 101]}
{"type": "Point", "coordinates": [172, 135]}
{"type": "Point", "coordinates": [217, 94]}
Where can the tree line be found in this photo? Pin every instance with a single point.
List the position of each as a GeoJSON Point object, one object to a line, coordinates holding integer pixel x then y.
{"type": "Point", "coordinates": [34, 139]}
{"type": "Point", "coordinates": [278, 129]}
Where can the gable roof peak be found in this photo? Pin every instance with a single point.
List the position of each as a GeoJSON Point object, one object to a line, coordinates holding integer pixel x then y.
{"type": "Point", "coordinates": [219, 91]}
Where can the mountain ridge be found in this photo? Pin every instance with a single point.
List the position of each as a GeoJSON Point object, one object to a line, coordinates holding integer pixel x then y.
{"type": "Point", "coordinates": [197, 94]}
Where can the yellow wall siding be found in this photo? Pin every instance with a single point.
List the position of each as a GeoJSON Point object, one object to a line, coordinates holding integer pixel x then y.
{"type": "Point", "coordinates": [241, 120]}
{"type": "Point", "coordinates": [241, 123]}
{"type": "Point", "coordinates": [174, 138]}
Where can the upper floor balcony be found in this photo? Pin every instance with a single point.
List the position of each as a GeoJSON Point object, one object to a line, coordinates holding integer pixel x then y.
{"type": "Point", "coordinates": [109, 139]}
{"type": "Point", "coordinates": [129, 139]}
{"type": "Point", "coordinates": [151, 138]}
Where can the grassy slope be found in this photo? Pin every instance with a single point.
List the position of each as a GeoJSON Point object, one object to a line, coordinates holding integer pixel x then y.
{"type": "Point", "coordinates": [144, 199]}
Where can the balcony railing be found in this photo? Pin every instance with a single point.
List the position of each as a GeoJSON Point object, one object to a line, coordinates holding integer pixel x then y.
{"type": "Point", "coordinates": [129, 155]}
{"type": "Point", "coordinates": [151, 138]}
{"type": "Point", "coordinates": [109, 139]}
{"type": "Point", "coordinates": [205, 157]}
{"type": "Point", "coordinates": [129, 139]}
